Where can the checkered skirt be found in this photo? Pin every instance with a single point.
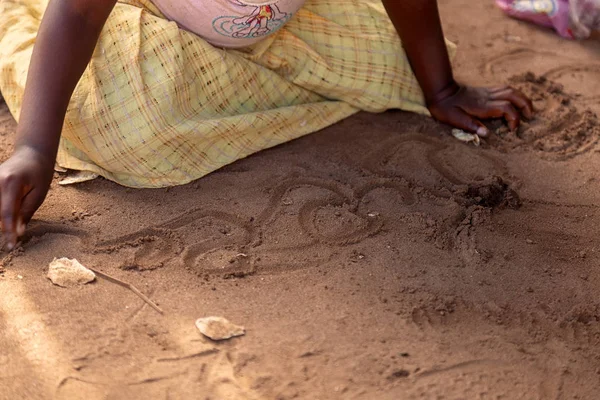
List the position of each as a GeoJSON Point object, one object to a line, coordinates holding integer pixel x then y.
{"type": "Point", "coordinates": [159, 106]}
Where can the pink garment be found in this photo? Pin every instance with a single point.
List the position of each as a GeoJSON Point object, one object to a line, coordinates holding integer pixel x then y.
{"type": "Point", "coordinates": [573, 19]}
{"type": "Point", "coordinates": [230, 23]}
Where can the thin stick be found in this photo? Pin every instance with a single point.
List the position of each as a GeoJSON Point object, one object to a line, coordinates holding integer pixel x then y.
{"type": "Point", "coordinates": [195, 355]}
{"type": "Point", "coordinates": [128, 286]}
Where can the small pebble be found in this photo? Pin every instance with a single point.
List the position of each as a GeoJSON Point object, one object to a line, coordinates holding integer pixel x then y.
{"type": "Point", "coordinates": [466, 137]}
{"type": "Point", "coordinates": [218, 328]}
{"type": "Point", "coordinates": [68, 273]}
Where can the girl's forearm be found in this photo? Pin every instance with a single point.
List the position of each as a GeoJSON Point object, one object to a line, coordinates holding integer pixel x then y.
{"type": "Point", "coordinates": [64, 46]}
{"type": "Point", "coordinates": [420, 29]}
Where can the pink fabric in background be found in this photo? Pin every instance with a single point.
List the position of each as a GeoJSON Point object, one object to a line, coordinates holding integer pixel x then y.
{"type": "Point", "coordinates": [573, 19]}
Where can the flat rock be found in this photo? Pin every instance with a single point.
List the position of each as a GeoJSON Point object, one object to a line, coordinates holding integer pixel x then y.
{"type": "Point", "coordinates": [68, 273]}
{"type": "Point", "coordinates": [466, 137]}
{"type": "Point", "coordinates": [218, 328]}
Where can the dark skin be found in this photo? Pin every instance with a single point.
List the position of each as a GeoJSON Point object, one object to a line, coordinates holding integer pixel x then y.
{"type": "Point", "coordinates": [68, 35]}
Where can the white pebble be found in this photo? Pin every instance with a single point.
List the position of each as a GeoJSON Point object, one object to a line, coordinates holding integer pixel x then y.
{"type": "Point", "coordinates": [68, 273]}
{"type": "Point", "coordinates": [466, 137]}
{"type": "Point", "coordinates": [218, 328]}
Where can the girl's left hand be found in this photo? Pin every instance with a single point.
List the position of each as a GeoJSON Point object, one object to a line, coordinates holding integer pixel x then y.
{"type": "Point", "coordinates": [463, 107]}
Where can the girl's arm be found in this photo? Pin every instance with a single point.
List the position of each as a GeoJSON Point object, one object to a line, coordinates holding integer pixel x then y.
{"type": "Point", "coordinates": [418, 24]}
{"type": "Point", "coordinates": [64, 46]}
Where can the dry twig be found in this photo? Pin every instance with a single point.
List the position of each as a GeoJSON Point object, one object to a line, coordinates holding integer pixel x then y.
{"type": "Point", "coordinates": [128, 286]}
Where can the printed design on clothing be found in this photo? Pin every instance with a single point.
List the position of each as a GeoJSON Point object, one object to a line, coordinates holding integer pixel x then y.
{"type": "Point", "coordinates": [260, 21]}
{"type": "Point", "coordinates": [548, 7]}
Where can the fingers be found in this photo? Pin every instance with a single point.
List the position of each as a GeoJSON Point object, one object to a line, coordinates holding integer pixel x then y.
{"type": "Point", "coordinates": [501, 109]}
{"type": "Point", "coordinates": [515, 97]}
{"type": "Point", "coordinates": [29, 205]}
{"type": "Point", "coordinates": [10, 205]}
{"type": "Point", "coordinates": [468, 107]}
{"type": "Point", "coordinates": [20, 226]}
{"type": "Point", "coordinates": [460, 119]}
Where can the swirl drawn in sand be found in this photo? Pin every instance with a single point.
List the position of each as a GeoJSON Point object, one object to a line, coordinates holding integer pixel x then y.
{"type": "Point", "coordinates": [234, 245]}
{"type": "Point", "coordinates": [572, 76]}
{"type": "Point", "coordinates": [324, 216]}
{"type": "Point", "coordinates": [520, 60]}
{"type": "Point", "coordinates": [566, 123]}
{"type": "Point", "coordinates": [562, 128]}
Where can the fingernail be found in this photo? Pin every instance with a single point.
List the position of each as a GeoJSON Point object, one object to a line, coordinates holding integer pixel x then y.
{"type": "Point", "coordinates": [482, 131]}
{"type": "Point", "coordinates": [20, 228]}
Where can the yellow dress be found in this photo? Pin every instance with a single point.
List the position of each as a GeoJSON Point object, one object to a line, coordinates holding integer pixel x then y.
{"type": "Point", "coordinates": [159, 106]}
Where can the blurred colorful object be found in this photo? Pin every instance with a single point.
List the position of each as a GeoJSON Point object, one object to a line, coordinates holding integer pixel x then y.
{"type": "Point", "coordinates": [573, 19]}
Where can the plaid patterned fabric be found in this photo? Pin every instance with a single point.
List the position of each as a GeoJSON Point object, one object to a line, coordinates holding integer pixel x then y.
{"type": "Point", "coordinates": [159, 106]}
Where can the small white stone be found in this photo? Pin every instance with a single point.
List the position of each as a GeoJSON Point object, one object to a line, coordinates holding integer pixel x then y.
{"type": "Point", "coordinates": [218, 328]}
{"type": "Point", "coordinates": [466, 137]}
{"type": "Point", "coordinates": [68, 273]}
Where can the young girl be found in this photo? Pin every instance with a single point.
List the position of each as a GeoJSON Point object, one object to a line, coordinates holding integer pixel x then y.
{"type": "Point", "coordinates": [152, 94]}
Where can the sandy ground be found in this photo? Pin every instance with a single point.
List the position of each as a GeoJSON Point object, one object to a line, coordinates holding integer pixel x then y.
{"type": "Point", "coordinates": [378, 259]}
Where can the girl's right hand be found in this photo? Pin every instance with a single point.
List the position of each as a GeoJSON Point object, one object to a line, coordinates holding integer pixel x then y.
{"type": "Point", "coordinates": [464, 107]}
{"type": "Point", "coordinates": [64, 45]}
{"type": "Point", "coordinates": [24, 183]}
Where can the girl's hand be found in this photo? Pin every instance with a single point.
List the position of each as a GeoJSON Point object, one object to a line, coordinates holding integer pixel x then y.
{"type": "Point", "coordinates": [24, 182]}
{"type": "Point", "coordinates": [463, 107]}
{"type": "Point", "coordinates": [63, 48]}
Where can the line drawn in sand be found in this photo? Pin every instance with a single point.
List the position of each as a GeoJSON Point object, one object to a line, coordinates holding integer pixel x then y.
{"type": "Point", "coordinates": [217, 243]}
{"type": "Point", "coordinates": [235, 245]}
{"type": "Point", "coordinates": [239, 241]}
{"type": "Point", "coordinates": [503, 62]}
